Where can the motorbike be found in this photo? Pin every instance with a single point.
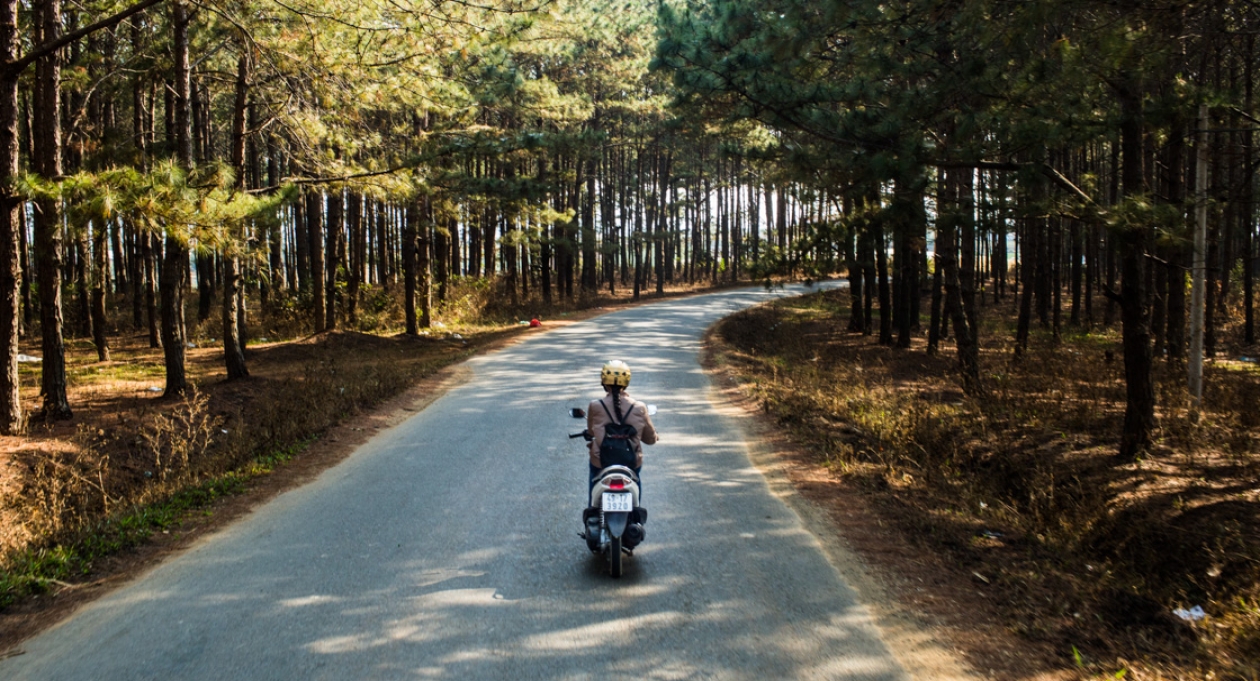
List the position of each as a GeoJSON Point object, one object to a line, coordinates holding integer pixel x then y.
{"type": "Point", "coordinates": [613, 522]}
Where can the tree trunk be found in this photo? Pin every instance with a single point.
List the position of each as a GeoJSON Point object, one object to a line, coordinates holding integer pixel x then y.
{"type": "Point", "coordinates": [232, 312]}
{"type": "Point", "coordinates": [11, 227]}
{"type": "Point", "coordinates": [175, 260]}
{"type": "Point", "coordinates": [905, 216]}
{"type": "Point", "coordinates": [935, 320]}
{"type": "Point", "coordinates": [866, 251]}
{"type": "Point", "coordinates": [1139, 416]}
{"type": "Point", "coordinates": [443, 236]}
{"type": "Point", "coordinates": [852, 247]}
{"type": "Point", "coordinates": [661, 225]}
{"type": "Point", "coordinates": [275, 237]}
{"type": "Point", "coordinates": [334, 231]}
{"type": "Point", "coordinates": [963, 310]}
{"type": "Point", "coordinates": [357, 256]}
{"type": "Point", "coordinates": [149, 246]}
{"type": "Point", "coordinates": [589, 282]}
{"type": "Point", "coordinates": [885, 293]}
{"type": "Point", "coordinates": [233, 347]}
{"type": "Point", "coordinates": [315, 239]}
{"type": "Point", "coordinates": [1033, 232]}
{"type": "Point", "coordinates": [957, 233]}
{"type": "Point", "coordinates": [424, 263]}
{"type": "Point", "coordinates": [48, 230]}
{"type": "Point", "coordinates": [100, 280]}
{"type": "Point", "coordinates": [206, 264]}
{"type": "Point", "coordinates": [1076, 272]}
{"type": "Point", "coordinates": [409, 266]}
{"type": "Point", "coordinates": [382, 248]}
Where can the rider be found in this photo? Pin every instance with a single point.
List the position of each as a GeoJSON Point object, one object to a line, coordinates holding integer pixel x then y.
{"type": "Point", "coordinates": [616, 403]}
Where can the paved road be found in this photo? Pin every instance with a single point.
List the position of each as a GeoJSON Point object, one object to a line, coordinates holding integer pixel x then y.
{"type": "Point", "coordinates": [446, 548]}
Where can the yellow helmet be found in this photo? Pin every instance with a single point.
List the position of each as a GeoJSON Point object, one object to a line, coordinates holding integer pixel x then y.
{"type": "Point", "coordinates": [615, 372]}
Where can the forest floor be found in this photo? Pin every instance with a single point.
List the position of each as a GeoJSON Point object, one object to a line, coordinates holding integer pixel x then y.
{"type": "Point", "coordinates": [87, 503]}
{"type": "Point", "coordinates": [1007, 519]}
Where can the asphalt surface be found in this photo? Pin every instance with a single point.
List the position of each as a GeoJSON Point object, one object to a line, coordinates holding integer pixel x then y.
{"type": "Point", "coordinates": [447, 548]}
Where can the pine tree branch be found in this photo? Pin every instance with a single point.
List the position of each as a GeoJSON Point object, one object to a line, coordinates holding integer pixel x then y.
{"type": "Point", "coordinates": [15, 67]}
{"type": "Point", "coordinates": [326, 180]}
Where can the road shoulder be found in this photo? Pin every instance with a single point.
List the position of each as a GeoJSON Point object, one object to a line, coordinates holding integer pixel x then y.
{"type": "Point", "coordinates": [936, 626]}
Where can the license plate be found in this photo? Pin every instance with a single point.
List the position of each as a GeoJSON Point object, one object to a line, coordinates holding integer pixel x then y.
{"type": "Point", "coordinates": [622, 502]}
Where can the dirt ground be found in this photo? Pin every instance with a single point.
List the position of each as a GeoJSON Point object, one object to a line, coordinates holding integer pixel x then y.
{"type": "Point", "coordinates": [1008, 519]}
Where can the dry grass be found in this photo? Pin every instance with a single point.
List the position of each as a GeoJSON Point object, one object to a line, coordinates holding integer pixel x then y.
{"type": "Point", "coordinates": [131, 462]}
{"type": "Point", "coordinates": [1022, 486]}
{"type": "Point", "coordinates": [98, 479]}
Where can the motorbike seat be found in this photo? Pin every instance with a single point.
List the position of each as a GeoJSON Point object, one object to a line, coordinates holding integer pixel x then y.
{"type": "Point", "coordinates": [624, 470]}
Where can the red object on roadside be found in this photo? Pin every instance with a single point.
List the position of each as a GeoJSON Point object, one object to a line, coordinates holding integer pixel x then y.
{"type": "Point", "coordinates": [534, 323]}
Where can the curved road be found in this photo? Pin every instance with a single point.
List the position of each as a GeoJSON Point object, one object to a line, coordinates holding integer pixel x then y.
{"type": "Point", "coordinates": [446, 548]}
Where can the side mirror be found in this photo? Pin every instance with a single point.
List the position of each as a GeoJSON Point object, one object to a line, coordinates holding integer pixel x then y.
{"type": "Point", "coordinates": [577, 413]}
{"type": "Point", "coordinates": [651, 410]}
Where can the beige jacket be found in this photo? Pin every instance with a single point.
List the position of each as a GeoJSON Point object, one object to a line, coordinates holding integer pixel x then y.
{"type": "Point", "coordinates": [597, 418]}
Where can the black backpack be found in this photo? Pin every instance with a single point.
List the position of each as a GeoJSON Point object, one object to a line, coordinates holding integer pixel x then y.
{"type": "Point", "coordinates": [617, 447]}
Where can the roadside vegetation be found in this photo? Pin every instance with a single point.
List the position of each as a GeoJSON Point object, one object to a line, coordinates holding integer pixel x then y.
{"type": "Point", "coordinates": [133, 463]}
{"type": "Point", "coordinates": [1021, 488]}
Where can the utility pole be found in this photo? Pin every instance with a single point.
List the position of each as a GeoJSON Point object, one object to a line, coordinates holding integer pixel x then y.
{"type": "Point", "coordinates": [1198, 271]}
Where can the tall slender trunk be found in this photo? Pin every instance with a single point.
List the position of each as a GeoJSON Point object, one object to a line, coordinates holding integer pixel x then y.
{"type": "Point", "coordinates": [545, 250]}
{"type": "Point", "coordinates": [963, 310]}
{"type": "Point", "coordinates": [149, 247]}
{"type": "Point", "coordinates": [443, 237]}
{"type": "Point", "coordinates": [906, 216]}
{"type": "Point", "coordinates": [866, 251]}
{"type": "Point", "coordinates": [206, 264]}
{"type": "Point", "coordinates": [357, 255]}
{"type": "Point", "coordinates": [275, 237]}
{"type": "Point", "coordinates": [233, 345]}
{"type": "Point", "coordinates": [48, 229]}
{"type": "Point", "coordinates": [424, 263]}
{"type": "Point", "coordinates": [1076, 272]}
{"type": "Point", "coordinates": [77, 271]}
{"type": "Point", "coordinates": [885, 292]}
{"type": "Point", "coordinates": [1139, 415]}
{"type": "Point", "coordinates": [382, 246]}
{"type": "Point", "coordinates": [936, 318]}
{"type": "Point", "coordinates": [409, 266]}
{"type": "Point", "coordinates": [100, 280]}
{"type": "Point", "coordinates": [233, 333]}
{"type": "Point", "coordinates": [333, 240]}
{"type": "Point", "coordinates": [175, 260]}
{"type": "Point", "coordinates": [661, 226]}
{"type": "Point", "coordinates": [589, 281]}
{"type": "Point", "coordinates": [1034, 229]}
{"type": "Point", "coordinates": [315, 241]}
{"type": "Point", "coordinates": [1248, 211]}
{"type": "Point", "coordinates": [852, 247]}
{"type": "Point", "coordinates": [11, 227]}
{"type": "Point", "coordinates": [24, 262]}
{"type": "Point", "coordinates": [302, 247]}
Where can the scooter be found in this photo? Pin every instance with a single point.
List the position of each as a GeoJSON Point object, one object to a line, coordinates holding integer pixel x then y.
{"type": "Point", "coordinates": [614, 520]}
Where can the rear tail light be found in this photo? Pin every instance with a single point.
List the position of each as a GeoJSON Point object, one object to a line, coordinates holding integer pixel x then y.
{"type": "Point", "coordinates": [616, 484]}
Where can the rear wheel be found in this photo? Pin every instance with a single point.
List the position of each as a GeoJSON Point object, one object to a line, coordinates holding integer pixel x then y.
{"type": "Point", "coordinates": [614, 556]}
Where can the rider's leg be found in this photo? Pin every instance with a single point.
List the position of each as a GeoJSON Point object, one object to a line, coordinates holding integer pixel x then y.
{"type": "Point", "coordinates": [594, 473]}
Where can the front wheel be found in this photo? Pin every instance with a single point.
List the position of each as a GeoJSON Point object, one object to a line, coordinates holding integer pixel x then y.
{"type": "Point", "coordinates": [614, 556]}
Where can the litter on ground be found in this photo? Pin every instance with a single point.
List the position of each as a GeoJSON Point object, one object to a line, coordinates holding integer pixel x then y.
{"type": "Point", "coordinates": [1192, 615]}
